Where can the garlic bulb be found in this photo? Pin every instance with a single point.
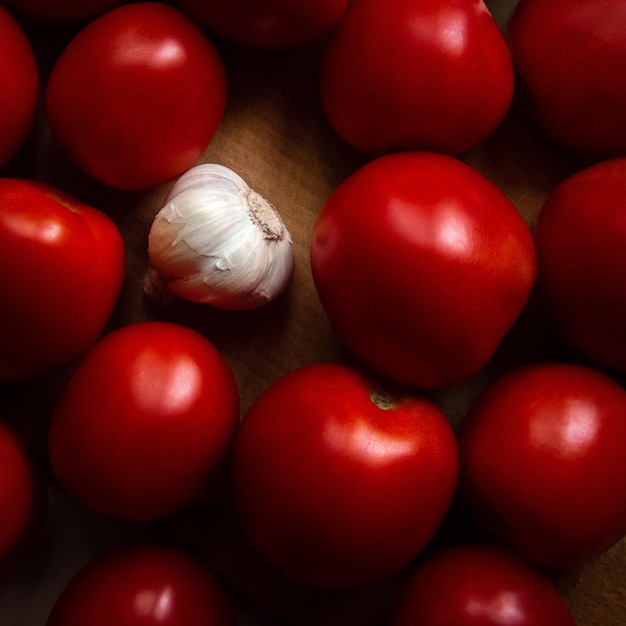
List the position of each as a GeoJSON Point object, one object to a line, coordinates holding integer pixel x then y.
{"type": "Point", "coordinates": [216, 241]}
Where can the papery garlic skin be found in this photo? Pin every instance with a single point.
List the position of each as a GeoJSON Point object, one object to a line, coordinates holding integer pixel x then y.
{"type": "Point", "coordinates": [216, 241]}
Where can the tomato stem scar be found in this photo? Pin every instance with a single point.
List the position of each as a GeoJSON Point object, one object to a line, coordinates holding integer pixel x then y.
{"type": "Point", "coordinates": [383, 399]}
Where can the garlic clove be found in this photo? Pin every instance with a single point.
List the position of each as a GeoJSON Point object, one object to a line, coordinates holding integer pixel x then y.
{"type": "Point", "coordinates": [216, 241]}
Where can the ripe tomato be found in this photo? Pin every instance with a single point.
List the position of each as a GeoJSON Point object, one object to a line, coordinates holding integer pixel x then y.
{"type": "Point", "coordinates": [480, 585]}
{"type": "Point", "coordinates": [580, 238]}
{"type": "Point", "coordinates": [62, 10]}
{"type": "Point", "coordinates": [22, 498]}
{"type": "Point", "coordinates": [145, 421]}
{"type": "Point", "coordinates": [267, 23]}
{"type": "Point", "coordinates": [422, 266]}
{"type": "Point", "coordinates": [426, 75]}
{"type": "Point", "coordinates": [63, 266]}
{"type": "Point", "coordinates": [19, 85]}
{"type": "Point", "coordinates": [543, 464]}
{"type": "Point", "coordinates": [571, 57]}
{"type": "Point", "coordinates": [337, 482]}
{"type": "Point", "coordinates": [142, 586]}
{"type": "Point", "coordinates": [137, 95]}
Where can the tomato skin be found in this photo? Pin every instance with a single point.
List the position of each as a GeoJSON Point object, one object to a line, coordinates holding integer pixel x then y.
{"type": "Point", "coordinates": [23, 500]}
{"type": "Point", "coordinates": [114, 96]}
{"type": "Point", "coordinates": [542, 462]}
{"type": "Point", "coordinates": [580, 237]}
{"type": "Point", "coordinates": [145, 421]}
{"type": "Point", "coordinates": [422, 265]}
{"type": "Point", "coordinates": [271, 24]}
{"type": "Point", "coordinates": [19, 85]}
{"type": "Point", "coordinates": [143, 585]}
{"type": "Point", "coordinates": [63, 266]}
{"type": "Point", "coordinates": [568, 54]}
{"type": "Point", "coordinates": [405, 75]}
{"type": "Point", "coordinates": [479, 585]}
{"type": "Point", "coordinates": [62, 10]}
{"type": "Point", "coordinates": [334, 490]}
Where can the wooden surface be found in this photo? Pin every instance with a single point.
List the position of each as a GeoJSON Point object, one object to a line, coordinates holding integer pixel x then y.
{"type": "Point", "coordinates": [276, 137]}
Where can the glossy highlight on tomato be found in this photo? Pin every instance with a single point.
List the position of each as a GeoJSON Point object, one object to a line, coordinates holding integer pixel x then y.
{"type": "Point", "coordinates": [542, 462]}
{"type": "Point", "coordinates": [61, 257]}
{"type": "Point", "coordinates": [338, 482]}
{"type": "Point", "coordinates": [143, 585]}
{"type": "Point", "coordinates": [406, 75]}
{"type": "Point", "coordinates": [145, 422]}
{"type": "Point", "coordinates": [422, 266]}
{"type": "Point", "coordinates": [479, 585]}
{"type": "Point", "coordinates": [114, 98]}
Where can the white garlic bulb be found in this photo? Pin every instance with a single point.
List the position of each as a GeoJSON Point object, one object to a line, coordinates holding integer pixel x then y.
{"type": "Point", "coordinates": [216, 241]}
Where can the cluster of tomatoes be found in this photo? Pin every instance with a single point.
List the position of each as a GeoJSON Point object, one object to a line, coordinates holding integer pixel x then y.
{"type": "Point", "coordinates": [340, 474]}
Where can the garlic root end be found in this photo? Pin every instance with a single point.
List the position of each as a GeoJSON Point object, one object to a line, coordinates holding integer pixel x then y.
{"type": "Point", "coordinates": [156, 289]}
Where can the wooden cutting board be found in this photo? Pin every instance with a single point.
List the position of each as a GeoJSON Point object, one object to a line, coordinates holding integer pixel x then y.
{"type": "Point", "coordinates": [276, 137]}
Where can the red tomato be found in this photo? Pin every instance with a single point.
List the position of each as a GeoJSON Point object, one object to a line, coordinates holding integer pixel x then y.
{"type": "Point", "coordinates": [267, 23]}
{"type": "Point", "coordinates": [426, 75]}
{"type": "Point", "coordinates": [22, 498]}
{"type": "Point", "coordinates": [62, 10]}
{"type": "Point", "coordinates": [337, 482]}
{"type": "Point", "coordinates": [143, 586]}
{"type": "Point", "coordinates": [19, 86]}
{"type": "Point", "coordinates": [144, 422]}
{"type": "Point", "coordinates": [422, 266]}
{"type": "Point", "coordinates": [63, 266]}
{"type": "Point", "coordinates": [543, 464]}
{"type": "Point", "coordinates": [571, 57]}
{"type": "Point", "coordinates": [137, 95]}
{"type": "Point", "coordinates": [480, 585]}
{"type": "Point", "coordinates": [580, 238]}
